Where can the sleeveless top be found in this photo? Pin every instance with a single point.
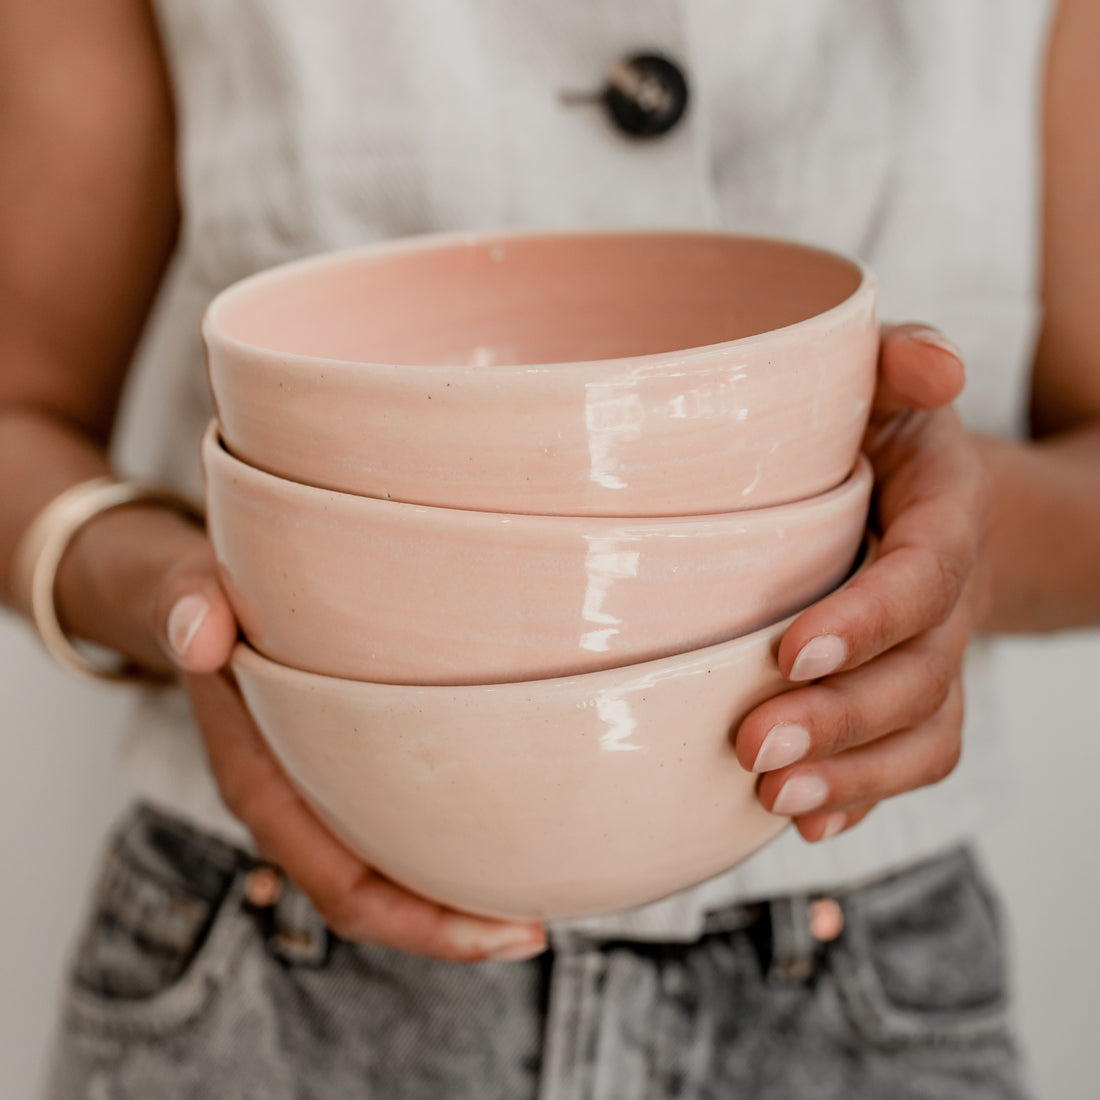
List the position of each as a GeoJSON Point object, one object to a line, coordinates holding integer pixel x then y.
{"type": "Point", "coordinates": [904, 133]}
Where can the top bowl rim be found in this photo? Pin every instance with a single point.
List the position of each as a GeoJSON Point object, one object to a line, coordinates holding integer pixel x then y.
{"type": "Point", "coordinates": [213, 332]}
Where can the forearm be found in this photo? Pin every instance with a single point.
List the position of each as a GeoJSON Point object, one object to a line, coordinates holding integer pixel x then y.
{"type": "Point", "coordinates": [1044, 546]}
{"type": "Point", "coordinates": [88, 218]}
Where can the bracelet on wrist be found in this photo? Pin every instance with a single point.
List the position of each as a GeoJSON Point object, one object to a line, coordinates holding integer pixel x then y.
{"type": "Point", "coordinates": [39, 554]}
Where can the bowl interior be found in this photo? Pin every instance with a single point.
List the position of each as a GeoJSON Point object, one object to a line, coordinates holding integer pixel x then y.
{"type": "Point", "coordinates": [540, 299]}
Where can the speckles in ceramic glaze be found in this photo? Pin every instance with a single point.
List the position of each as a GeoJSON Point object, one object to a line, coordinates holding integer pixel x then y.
{"type": "Point", "coordinates": [548, 800]}
{"type": "Point", "coordinates": [395, 593]}
{"type": "Point", "coordinates": [612, 374]}
{"type": "Point", "coordinates": [521, 804]}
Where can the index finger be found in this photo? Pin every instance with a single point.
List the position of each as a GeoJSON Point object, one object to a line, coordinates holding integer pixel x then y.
{"type": "Point", "coordinates": [931, 518]}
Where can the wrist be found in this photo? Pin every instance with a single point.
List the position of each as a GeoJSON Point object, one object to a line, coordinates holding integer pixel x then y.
{"type": "Point", "coordinates": [41, 552]}
{"type": "Point", "coordinates": [1045, 537]}
{"type": "Point", "coordinates": [112, 571]}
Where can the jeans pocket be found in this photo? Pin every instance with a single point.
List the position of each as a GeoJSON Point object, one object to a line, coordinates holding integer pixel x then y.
{"type": "Point", "coordinates": [166, 928]}
{"type": "Point", "coordinates": [922, 958]}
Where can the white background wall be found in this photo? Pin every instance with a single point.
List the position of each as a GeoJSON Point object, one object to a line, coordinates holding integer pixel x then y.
{"type": "Point", "coordinates": [58, 793]}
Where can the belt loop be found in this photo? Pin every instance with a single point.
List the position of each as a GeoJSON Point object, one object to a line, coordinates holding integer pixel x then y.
{"type": "Point", "coordinates": [794, 948]}
{"type": "Point", "coordinates": [573, 1017]}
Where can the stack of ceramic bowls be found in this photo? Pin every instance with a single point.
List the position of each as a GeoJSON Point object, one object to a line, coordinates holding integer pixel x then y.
{"type": "Point", "coordinates": [512, 525]}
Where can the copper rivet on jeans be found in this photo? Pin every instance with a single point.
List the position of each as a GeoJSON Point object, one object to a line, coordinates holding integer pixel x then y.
{"type": "Point", "coordinates": [826, 919]}
{"type": "Point", "coordinates": [295, 942]}
{"type": "Point", "coordinates": [262, 886]}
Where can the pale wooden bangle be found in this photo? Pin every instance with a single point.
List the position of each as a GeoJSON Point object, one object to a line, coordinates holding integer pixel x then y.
{"type": "Point", "coordinates": [38, 557]}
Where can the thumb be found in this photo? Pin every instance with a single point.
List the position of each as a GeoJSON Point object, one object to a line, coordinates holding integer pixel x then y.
{"type": "Point", "coordinates": [919, 368]}
{"type": "Point", "coordinates": [192, 618]}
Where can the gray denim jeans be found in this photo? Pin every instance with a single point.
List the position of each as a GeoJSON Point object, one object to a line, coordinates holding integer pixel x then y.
{"type": "Point", "coordinates": [183, 989]}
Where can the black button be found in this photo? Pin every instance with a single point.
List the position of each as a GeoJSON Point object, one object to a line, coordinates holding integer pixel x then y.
{"type": "Point", "coordinates": [646, 95]}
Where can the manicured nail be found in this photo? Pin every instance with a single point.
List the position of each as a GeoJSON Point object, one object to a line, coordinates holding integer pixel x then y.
{"type": "Point", "coordinates": [518, 952]}
{"type": "Point", "coordinates": [187, 615]}
{"type": "Point", "coordinates": [819, 657]}
{"type": "Point", "coordinates": [801, 794]}
{"type": "Point", "coordinates": [833, 824]}
{"type": "Point", "coordinates": [933, 338]}
{"type": "Point", "coordinates": [785, 743]}
{"type": "Point", "coordinates": [471, 937]}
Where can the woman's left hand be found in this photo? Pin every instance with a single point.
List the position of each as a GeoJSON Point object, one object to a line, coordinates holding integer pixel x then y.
{"type": "Point", "coordinates": [884, 712]}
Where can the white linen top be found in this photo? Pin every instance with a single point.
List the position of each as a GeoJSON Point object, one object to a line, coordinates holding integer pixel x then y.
{"type": "Point", "coordinates": [902, 132]}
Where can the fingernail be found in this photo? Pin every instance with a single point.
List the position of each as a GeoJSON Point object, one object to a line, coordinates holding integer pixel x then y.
{"type": "Point", "coordinates": [819, 657]}
{"type": "Point", "coordinates": [833, 824]}
{"type": "Point", "coordinates": [933, 338]}
{"type": "Point", "coordinates": [187, 615]}
{"type": "Point", "coordinates": [800, 795]}
{"type": "Point", "coordinates": [518, 952]}
{"type": "Point", "coordinates": [785, 743]}
{"type": "Point", "coordinates": [471, 937]}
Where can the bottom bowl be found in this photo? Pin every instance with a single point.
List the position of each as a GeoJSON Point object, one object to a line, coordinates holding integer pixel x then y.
{"type": "Point", "coordinates": [551, 799]}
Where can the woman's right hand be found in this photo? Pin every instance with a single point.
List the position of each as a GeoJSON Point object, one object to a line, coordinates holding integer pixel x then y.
{"type": "Point", "coordinates": [166, 608]}
{"type": "Point", "coordinates": [89, 217]}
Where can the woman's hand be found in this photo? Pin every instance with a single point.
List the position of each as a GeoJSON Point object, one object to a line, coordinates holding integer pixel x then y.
{"type": "Point", "coordinates": [168, 609]}
{"type": "Point", "coordinates": [884, 711]}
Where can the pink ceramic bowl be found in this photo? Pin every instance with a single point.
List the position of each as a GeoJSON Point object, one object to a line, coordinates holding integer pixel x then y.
{"type": "Point", "coordinates": [397, 593]}
{"type": "Point", "coordinates": [610, 374]}
{"type": "Point", "coordinates": [547, 800]}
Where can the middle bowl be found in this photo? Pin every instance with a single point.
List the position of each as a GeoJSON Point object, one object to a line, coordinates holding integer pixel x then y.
{"type": "Point", "coordinates": [367, 589]}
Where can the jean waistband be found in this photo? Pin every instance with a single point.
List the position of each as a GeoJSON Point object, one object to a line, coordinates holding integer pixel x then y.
{"type": "Point", "coordinates": [794, 926]}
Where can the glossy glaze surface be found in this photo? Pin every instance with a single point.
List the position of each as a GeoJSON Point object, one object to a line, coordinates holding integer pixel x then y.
{"type": "Point", "coordinates": [611, 374]}
{"type": "Point", "coordinates": [554, 799]}
{"type": "Point", "coordinates": [375, 590]}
